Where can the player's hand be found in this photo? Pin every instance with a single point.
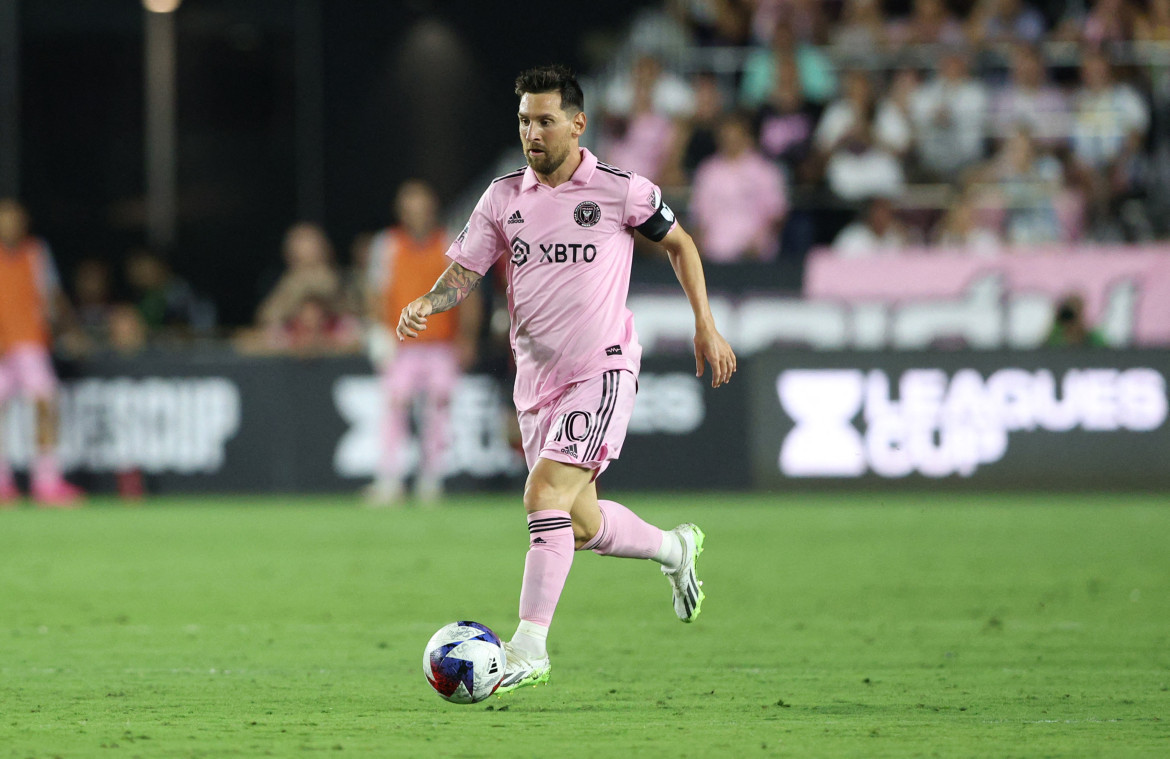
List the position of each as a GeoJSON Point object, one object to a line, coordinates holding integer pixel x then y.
{"type": "Point", "coordinates": [413, 318]}
{"type": "Point", "coordinates": [710, 347]}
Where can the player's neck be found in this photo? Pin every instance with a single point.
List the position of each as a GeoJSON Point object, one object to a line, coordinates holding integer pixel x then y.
{"type": "Point", "coordinates": [564, 172]}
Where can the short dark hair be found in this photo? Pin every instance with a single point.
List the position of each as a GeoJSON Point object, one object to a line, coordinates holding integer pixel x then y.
{"type": "Point", "coordinates": [553, 78]}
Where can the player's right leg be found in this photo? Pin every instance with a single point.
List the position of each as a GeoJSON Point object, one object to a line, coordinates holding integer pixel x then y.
{"type": "Point", "coordinates": [549, 494]}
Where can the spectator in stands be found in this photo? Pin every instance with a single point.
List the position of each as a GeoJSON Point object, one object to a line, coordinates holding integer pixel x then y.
{"type": "Point", "coordinates": [1030, 100]}
{"type": "Point", "coordinates": [996, 22]}
{"type": "Point", "coordinates": [738, 202]}
{"type": "Point", "coordinates": [309, 270]}
{"type": "Point", "coordinates": [860, 142]}
{"type": "Point", "coordinates": [877, 232]}
{"type": "Point", "coordinates": [667, 92]}
{"type": "Point", "coordinates": [818, 81]}
{"type": "Point", "coordinates": [1106, 22]}
{"type": "Point", "coordinates": [92, 290]}
{"type": "Point", "coordinates": [1029, 185]}
{"type": "Point", "coordinates": [960, 230]}
{"type": "Point", "coordinates": [810, 22]}
{"type": "Point", "coordinates": [165, 300]}
{"type": "Point", "coordinates": [785, 125]}
{"type": "Point", "coordinates": [404, 261]}
{"type": "Point", "coordinates": [720, 22]}
{"type": "Point", "coordinates": [1154, 26]}
{"type": "Point", "coordinates": [353, 277]}
{"type": "Point", "coordinates": [862, 29]}
{"type": "Point", "coordinates": [1108, 129]}
{"type": "Point", "coordinates": [315, 328]}
{"type": "Point", "coordinates": [30, 300]}
{"type": "Point", "coordinates": [1069, 328]}
{"type": "Point", "coordinates": [126, 330]}
{"type": "Point", "coordinates": [1110, 120]}
{"type": "Point", "coordinates": [891, 129]}
{"type": "Point", "coordinates": [639, 140]}
{"type": "Point", "coordinates": [929, 23]}
{"type": "Point", "coordinates": [694, 137]}
{"type": "Point", "coordinates": [949, 115]}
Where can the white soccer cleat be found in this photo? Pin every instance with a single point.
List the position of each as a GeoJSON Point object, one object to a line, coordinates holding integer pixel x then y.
{"type": "Point", "coordinates": [688, 591]}
{"type": "Point", "coordinates": [520, 671]}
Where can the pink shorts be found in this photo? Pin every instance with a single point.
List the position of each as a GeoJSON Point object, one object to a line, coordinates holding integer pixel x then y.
{"type": "Point", "coordinates": [27, 369]}
{"type": "Point", "coordinates": [585, 426]}
{"type": "Point", "coordinates": [430, 368]}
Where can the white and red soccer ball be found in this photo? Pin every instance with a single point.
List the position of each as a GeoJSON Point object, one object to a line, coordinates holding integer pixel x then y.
{"type": "Point", "coordinates": [464, 662]}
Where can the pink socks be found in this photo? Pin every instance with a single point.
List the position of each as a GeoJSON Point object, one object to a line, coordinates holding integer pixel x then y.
{"type": "Point", "coordinates": [624, 534]}
{"type": "Point", "coordinates": [550, 555]}
{"type": "Point", "coordinates": [46, 469]}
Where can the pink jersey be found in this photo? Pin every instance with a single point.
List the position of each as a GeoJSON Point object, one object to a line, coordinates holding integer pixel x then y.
{"type": "Point", "coordinates": [570, 251]}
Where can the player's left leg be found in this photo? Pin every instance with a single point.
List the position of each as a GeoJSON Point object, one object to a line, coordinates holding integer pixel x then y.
{"type": "Point", "coordinates": [34, 370]}
{"type": "Point", "coordinates": [610, 529]}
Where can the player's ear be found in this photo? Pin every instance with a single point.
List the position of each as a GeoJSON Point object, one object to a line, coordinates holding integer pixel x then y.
{"type": "Point", "coordinates": [579, 121]}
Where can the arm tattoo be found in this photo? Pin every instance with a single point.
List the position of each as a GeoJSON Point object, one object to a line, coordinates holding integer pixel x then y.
{"type": "Point", "coordinates": [451, 288]}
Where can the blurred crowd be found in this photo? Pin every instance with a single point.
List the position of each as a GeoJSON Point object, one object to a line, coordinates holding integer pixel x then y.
{"type": "Point", "coordinates": [776, 126]}
{"type": "Point", "coordinates": [874, 125]}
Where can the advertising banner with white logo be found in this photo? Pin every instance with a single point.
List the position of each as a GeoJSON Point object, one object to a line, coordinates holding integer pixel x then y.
{"type": "Point", "coordinates": [1044, 419]}
{"type": "Point", "coordinates": [220, 422]}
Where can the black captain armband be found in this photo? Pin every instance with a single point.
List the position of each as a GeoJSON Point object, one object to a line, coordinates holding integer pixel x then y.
{"type": "Point", "coordinates": [659, 223]}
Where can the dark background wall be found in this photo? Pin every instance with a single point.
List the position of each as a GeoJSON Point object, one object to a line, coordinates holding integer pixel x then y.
{"type": "Point", "coordinates": [406, 88]}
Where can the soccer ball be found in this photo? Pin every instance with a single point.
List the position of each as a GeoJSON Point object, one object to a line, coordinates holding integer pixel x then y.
{"type": "Point", "coordinates": [464, 662]}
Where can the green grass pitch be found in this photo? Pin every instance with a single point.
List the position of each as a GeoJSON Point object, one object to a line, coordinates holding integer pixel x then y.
{"type": "Point", "coordinates": [853, 626]}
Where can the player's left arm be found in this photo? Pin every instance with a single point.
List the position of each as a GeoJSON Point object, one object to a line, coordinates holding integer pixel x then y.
{"type": "Point", "coordinates": [710, 347]}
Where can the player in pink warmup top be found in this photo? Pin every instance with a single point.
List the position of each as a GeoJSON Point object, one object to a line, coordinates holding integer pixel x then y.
{"type": "Point", "coordinates": [565, 225]}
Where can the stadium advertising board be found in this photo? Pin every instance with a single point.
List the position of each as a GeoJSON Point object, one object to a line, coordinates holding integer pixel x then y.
{"type": "Point", "coordinates": [1045, 419]}
{"type": "Point", "coordinates": [913, 298]}
{"type": "Point", "coordinates": [225, 423]}
{"type": "Point", "coordinates": [916, 300]}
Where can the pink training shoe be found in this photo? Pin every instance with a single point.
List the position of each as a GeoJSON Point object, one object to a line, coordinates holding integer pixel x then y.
{"type": "Point", "coordinates": [57, 495]}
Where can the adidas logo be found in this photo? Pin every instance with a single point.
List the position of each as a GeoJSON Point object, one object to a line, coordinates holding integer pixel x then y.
{"type": "Point", "coordinates": [570, 449]}
{"type": "Point", "coordinates": [538, 540]}
{"type": "Point", "coordinates": [516, 218]}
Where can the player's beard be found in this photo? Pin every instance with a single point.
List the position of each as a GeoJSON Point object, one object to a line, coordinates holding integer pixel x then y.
{"type": "Point", "coordinates": [548, 162]}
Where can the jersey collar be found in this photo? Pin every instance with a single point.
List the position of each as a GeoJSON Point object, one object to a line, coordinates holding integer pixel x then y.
{"type": "Point", "coordinates": [582, 175]}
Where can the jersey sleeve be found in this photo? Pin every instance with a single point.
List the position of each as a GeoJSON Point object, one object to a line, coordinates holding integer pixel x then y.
{"type": "Point", "coordinates": [480, 243]}
{"type": "Point", "coordinates": [646, 211]}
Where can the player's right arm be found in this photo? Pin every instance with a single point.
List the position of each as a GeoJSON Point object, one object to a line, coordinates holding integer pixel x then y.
{"type": "Point", "coordinates": [451, 289]}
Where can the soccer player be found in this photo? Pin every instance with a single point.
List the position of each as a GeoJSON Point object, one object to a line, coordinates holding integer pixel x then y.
{"type": "Point", "coordinates": [566, 224]}
{"type": "Point", "coordinates": [29, 295]}
{"type": "Point", "coordinates": [404, 260]}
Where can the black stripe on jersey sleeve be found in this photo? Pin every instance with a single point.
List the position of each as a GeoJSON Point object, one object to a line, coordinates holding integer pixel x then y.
{"type": "Point", "coordinates": [509, 175]}
{"type": "Point", "coordinates": [659, 223]}
{"type": "Point", "coordinates": [613, 170]}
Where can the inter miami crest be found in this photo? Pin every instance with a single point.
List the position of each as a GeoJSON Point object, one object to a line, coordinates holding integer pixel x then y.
{"type": "Point", "coordinates": [587, 213]}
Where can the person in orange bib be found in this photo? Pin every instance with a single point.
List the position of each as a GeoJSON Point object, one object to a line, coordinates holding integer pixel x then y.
{"type": "Point", "coordinates": [404, 261]}
{"type": "Point", "coordinates": [30, 293]}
